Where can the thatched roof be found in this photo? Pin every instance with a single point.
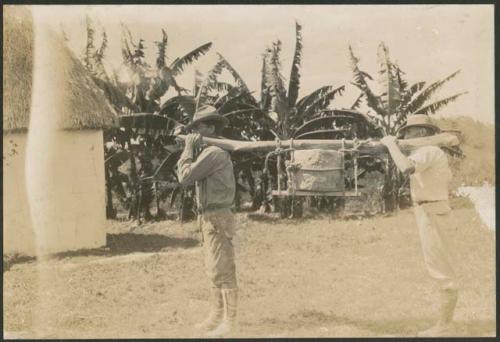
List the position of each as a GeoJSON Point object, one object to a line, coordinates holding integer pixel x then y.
{"type": "Point", "coordinates": [17, 65]}
{"type": "Point", "coordinates": [87, 108]}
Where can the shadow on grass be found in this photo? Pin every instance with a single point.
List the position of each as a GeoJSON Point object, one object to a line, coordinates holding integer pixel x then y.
{"type": "Point", "coordinates": [14, 258]}
{"type": "Point", "coordinates": [116, 244]}
{"type": "Point", "coordinates": [376, 328]}
{"type": "Point", "coordinates": [125, 243]}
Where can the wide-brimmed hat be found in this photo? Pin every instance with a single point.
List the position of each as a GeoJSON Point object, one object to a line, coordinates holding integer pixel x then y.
{"type": "Point", "coordinates": [207, 113]}
{"type": "Point", "coordinates": [418, 120]}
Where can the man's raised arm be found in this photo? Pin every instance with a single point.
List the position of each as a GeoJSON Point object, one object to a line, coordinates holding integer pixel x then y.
{"type": "Point", "coordinates": [207, 163]}
{"type": "Point", "coordinates": [404, 164]}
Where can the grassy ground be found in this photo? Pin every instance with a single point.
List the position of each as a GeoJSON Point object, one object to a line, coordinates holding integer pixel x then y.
{"type": "Point", "coordinates": [312, 277]}
{"type": "Point", "coordinates": [321, 277]}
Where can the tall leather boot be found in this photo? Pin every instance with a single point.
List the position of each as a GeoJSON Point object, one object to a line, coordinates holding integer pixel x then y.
{"type": "Point", "coordinates": [229, 323]}
{"type": "Point", "coordinates": [444, 326]}
{"type": "Point", "coordinates": [216, 311]}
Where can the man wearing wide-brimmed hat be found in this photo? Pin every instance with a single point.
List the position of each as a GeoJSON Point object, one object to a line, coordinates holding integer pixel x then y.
{"type": "Point", "coordinates": [429, 177]}
{"type": "Point", "coordinates": [212, 173]}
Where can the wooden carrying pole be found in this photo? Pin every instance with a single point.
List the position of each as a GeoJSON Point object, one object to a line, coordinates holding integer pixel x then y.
{"type": "Point", "coordinates": [366, 146]}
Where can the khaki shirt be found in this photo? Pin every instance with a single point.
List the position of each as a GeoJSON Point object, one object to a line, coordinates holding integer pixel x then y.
{"type": "Point", "coordinates": [432, 174]}
{"type": "Point", "coordinates": [213, 175]}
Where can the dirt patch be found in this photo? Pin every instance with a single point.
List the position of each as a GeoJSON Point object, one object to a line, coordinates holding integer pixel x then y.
{"type": "Point", "coordinates": [321, 277]}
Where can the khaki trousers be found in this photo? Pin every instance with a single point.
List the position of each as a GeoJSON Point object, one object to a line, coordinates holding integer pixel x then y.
{"type": "Point", "coordinates": [432, 221]}
{"type": "Point", "coordinates": [218, 230]}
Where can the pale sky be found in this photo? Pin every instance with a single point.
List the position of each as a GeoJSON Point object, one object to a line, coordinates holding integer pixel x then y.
{"type": "Point", "coordinates": [428, 41]}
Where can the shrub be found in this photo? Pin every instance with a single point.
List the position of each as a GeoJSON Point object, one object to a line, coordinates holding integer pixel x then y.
{"type": "Point", "coordinates": [477, 141]}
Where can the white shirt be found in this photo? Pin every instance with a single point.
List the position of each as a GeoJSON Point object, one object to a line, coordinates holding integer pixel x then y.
{"type": "Point", "coordinates": [432, 174]}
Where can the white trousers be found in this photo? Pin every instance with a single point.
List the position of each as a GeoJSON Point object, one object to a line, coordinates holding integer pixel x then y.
{"type": "Point", "coordinates": [433, 227]}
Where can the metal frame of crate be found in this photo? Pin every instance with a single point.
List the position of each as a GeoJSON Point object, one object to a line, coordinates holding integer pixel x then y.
{"type": "Point", "coordinates": [292, 172]}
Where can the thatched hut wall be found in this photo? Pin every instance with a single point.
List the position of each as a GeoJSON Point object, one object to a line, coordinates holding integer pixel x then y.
{"type": "Point", "coordinates": [18, 233]}
{"type": "Point", "coordinates": [53, 175]}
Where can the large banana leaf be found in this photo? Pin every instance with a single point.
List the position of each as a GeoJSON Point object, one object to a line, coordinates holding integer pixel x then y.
{"type": "Point", "coordinates": [89, 47]}
{"type": "Point", "coordinates": [133, 53]}
{"type": "Point", "coordinates": [126, 52]}
{"type": "Point", "coordinates": [240, 111]}
{"type": "Point", "coordinates": [215, 72]}
{"type": "Point", "coordinates": [294, 83]}
{"type": "Point", "coordinates": [435, 106]}
{"type": "Point", "coordinates": [99, 55]}
{"type": "Point", "coordinates": [209, 82]}
{"type": "Point", "coordinates": [313, 96]}
{"type": "Point", "coordinates": [357, 103]}
{"type": "Point", "coordinates": [93, 57]}
{"type": "Point", "coordinates": [115, 95]}
{"type": "Point", "coordinates": [162, 50]}
{"type": "Point", "coordinates": [390, 98]}
{"type": "Point", "coordinates": [408, 95]}
{"type": "Point", "coordinates": [185, 100]}
{"type": "Point", "coordinates": [237, 78]}
{"type": "Point", "coordinates": [249, 124]}
{"type": "Point", "coordinates": [223, 87]}
{"type": "Point", "coordinates": [159, 85]}
{"type": "Point", "coordinates": [234, 92]}
{"type": "Point", "coordinates": [372, 100]}
{"type": "Point", "coordinates": [401, 82]}
{"type": "Point", "coordinates": [216, 93]}
{"type": "Point", "coordinates": [360, 81]}
{"type": "Point", "coordinates": [265, 98]}
{"type": "Point", "coordinates": [179, 64]}
{"type": "Point", "coordinates": [321, 103]}
{"type": "Point", "coordinates": [317, 100]}
{"type": "Point", "coordinates": [359, 75]}
{"type": "Point", "coordinates": [275, 83]}
{"type": "Point", "coordinates": [180, 108]}
{"type": "Point", "coordinates": [231, 100]}
{"type": "Point", "coordinates": [426, 93]}
{"type": "Point", "coordinates": [248, 112]}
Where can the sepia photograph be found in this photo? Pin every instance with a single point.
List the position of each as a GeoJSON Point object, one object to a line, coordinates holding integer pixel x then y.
{"type": "Point", "coordinates": [248, 171]}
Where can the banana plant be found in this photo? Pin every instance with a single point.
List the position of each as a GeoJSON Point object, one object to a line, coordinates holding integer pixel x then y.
{"type": "Point", "coordinates": [291, 112]}
{"type": "Point", "coordinates": [234, 100]}
{"type": "Point", "coordinates": [278, 112]}
{"type": "Point", "coordinates": [149, 84]}
{"type": "Point", "coordinates": [92, 59]}
{"type": "Point", "coordinates": [145, 85]}
{"type": "Point", "coordinates": [391, 106]}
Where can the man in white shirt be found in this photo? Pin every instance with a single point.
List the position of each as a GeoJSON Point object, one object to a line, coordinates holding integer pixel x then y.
{"type": "Point", "coordinates": [429, 177]}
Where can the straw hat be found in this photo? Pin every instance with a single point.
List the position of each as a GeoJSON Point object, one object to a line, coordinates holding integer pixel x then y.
{"type": "Point", "coordinates": [418, 120]}
{"type": "Point", "coordinates": [207, 113]}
